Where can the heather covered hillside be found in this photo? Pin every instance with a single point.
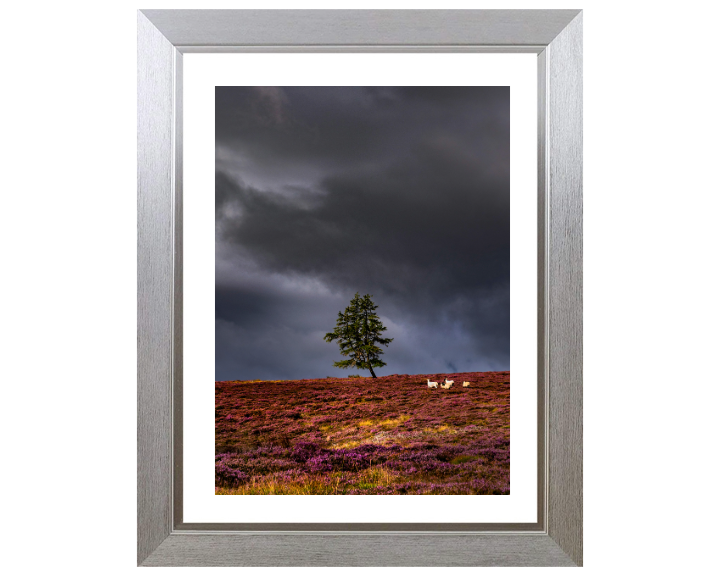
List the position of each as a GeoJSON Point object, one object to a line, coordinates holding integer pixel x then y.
{"type": "Point", "coordinates": [390, 435]}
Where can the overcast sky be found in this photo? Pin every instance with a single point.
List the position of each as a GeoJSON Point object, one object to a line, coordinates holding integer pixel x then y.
{"type": "Point", "coordinates": [402, 193]}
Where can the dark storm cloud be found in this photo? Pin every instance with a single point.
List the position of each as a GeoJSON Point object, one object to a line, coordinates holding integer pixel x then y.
{"type": "Point", "coordinates": [398, 192]}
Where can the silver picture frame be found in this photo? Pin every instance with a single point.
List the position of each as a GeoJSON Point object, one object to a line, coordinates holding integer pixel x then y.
{"type": "Point", "coordinates": [163, 539]}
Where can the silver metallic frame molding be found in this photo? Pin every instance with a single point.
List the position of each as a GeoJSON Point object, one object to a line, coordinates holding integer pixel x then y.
{"type": "Point", "coordinates": [163, 538]}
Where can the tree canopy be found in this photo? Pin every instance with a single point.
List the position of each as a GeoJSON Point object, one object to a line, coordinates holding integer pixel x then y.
{"type": "Point", "coordinates": [359, 331]}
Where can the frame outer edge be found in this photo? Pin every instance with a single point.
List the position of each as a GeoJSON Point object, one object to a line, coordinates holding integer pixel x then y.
{"type": "Point", "coordinates": [155, 184]}
{"type": "Point", "coordinates": [185, 549]}
{"type": "Point", "coordinates": [565, 135]}
{"type": "Point", "coordinates": [158, 169]}
{"type": "Point", "coordinates": [298, 28]}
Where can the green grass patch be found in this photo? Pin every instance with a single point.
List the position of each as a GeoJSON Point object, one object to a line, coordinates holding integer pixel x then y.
{"type": "Point", "coordinates": [463, 459]}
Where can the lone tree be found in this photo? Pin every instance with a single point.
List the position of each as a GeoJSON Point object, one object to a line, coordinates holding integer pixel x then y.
{"type": "Point", "coordinates": [358, 331]}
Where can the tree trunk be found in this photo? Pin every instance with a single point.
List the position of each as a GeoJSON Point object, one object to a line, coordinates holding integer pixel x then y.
{"type": "Point", "coordinates": [373, 373]}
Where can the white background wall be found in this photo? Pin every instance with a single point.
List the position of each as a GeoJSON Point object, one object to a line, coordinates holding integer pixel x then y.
{"type": "Point", "coordinates": [67, 283]}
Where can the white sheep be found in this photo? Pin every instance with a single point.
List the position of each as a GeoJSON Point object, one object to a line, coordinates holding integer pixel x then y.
{"type": "Point", "coordinates": [447, 384]}
{"type": "Point", "coordinates": [431, 384]}
{"type": "Point", "coordinates": [466, 384]}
